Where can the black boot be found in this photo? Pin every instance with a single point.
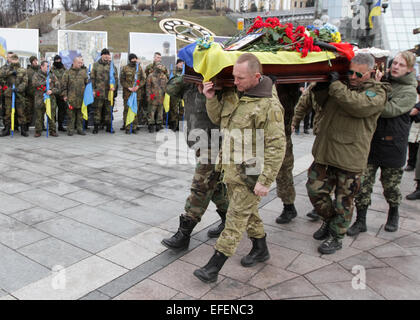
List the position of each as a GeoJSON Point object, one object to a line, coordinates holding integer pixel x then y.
{"type": "Point", "coordinates": [258, 253]}
{"type": "Point", "coordinates": [216, 231]}
{"type": "Point", "coordinates": [360, 224]}
{"type": "Point", "coordinates": [5, 131]}
{"type": "Point", "coordinates": [210, 271]}
{"type": "Point", "coordinates": [323, 232]}
{"type": "Point", "coordinates": [60, 127]}
{"type": "Point", "coordinates": [392, 221]}
{"type": "Point", "coordinates": [95, 129]}
{"type": "Point", "coordinates": [181, 239]}
{"type": "Point", "coordinates": [151, 128]}
{"type": "Point", "coordinates": [158, 127]}
{"type": "Point", "coordinates": [331, 245]}
{"type": "Point", "coordinates": [416, 194]}
{"type": "Point", "coordinates": [289, 212]}
{"type": "Point", "coordinates": [23, 131]}
{"type": "Point", "coordinates": [313, 215]}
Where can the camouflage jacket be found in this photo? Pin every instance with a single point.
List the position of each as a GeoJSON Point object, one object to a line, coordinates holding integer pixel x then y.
{"type": "Point", "coordinates": [238, 118]}
{"type": "Point", "coordinates": [73, 86]}
{"type": "Point", "coordinates": [40, 79]}
{"type": "Point", "coordinates": [156, 85]}
{"type": "Point", "coordinates": [127, 76]}
{"type": "Point", "coordinates": [349, 117]}
{"type": "Point", "coordinates": [59, 73]}
{"type": "Point", "coordinates": [11, 75]}
{"type": "Point", "coordinates": [304, 106]}
{"type": "Point", "coordinates": [100, 79]}
{"type": "Point", "coordinates": [195, 113]}
{"type": "Point", "coordinates": [149, 69]}
{"type": "Point", "coordinates": [30, 71]}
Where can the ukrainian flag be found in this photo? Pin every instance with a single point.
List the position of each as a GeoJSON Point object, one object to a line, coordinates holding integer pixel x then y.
{"type": "Point", "coordinates": [375, 12]}
{"type": "Point", "coordinates": [47, 99]}
{"type": "Point", "coordinates": [3, 47]}
{"type": "Point", "coordinates": [87, 99]}
{"type": "Point", "coordinates": [111, 83]}
{"type": "Point", "coordinates": [132, 102]}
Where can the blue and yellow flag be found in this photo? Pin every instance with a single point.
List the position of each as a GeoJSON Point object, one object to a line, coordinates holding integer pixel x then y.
{"type": "Point", "coordinates": [111, 83]}
{"type": "Point", "coordinates": [3, 47]}
{"type": "Point", "coordinates": [132, 102]}
{"type": "Point", "coordinates": [47, 99]}
{"type": "Point", "coordinates": [13, 109]}
{"type": "Point", "coordinates": [375, 12]}
{"type": "Point", "coordinates": [87, 97]}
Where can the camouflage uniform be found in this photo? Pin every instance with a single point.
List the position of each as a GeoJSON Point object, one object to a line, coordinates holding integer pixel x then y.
{"type": "Point", "coordinates": [176, 109]}
{"type": "Point", "coordinates": [155, 85]}
{"type": "Point", "coordinates": [341, 148]}
{"type": "Point", "coordinates": [61, 104]}
{"type": "Point", "coordinates": [247, 112]}
{"type": "Point", "coordinates": [9, 75]}
{"type": "Point", "coordinates": [127, 76]}
{"type": "Point", "coordinates": [284, 181]}
{"type": "Point", "coordinates": [151, 67]}
{"type": "Point", "coordinates": [100, 85]}
{"type": "Point", "coordinates": [30, 90]}
{"type": "Point", "coordinates": [207, 184]}
{"type": "Point", "coordinates": [40, 79]}
{"type": "Point", "coordinates": [73, 87]}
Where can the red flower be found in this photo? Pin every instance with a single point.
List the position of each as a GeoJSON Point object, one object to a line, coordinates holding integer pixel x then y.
{"type": "Point", "coordinates": [152, 96]}
{"type": "Point", "coordinates": [98, 93]}
{"type": "Point", "coordinates": [138, 81]}
{"type": "Point", "coordinates": [5, 88]}
{"type": "Point", "coordinates": [71, 107]}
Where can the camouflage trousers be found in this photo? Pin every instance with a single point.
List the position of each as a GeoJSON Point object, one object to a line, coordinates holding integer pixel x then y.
{"type": "Point", "coordinates": [74, 119]}
{"type": "Point", "coordinates": [61, 109]}
{"type": "Point", "coordinates": [154, 114]}
{"type": "Point", "coordinates": [285, 186]}
{"type": "Point", "coordinates": [136, 120]}
{"type": "Point", "coordinates": [40, 114]}
{"type": "Point", "coordinates": [391, 180]}
{"type": "Point", "coordinates": [102, 106]}
{"type": "Point", "coordinates": [29, 109]}
{"type": "Point", "coordinates": [321, 182]}
{"type": "Point", "coordinates": [19, 109]}
{"type": "Point", "coordinates": [242, 215]}
{"type": "Point", "coordinates": [176, 112]}
{"type": "Point", "coordinates": [207, 185]}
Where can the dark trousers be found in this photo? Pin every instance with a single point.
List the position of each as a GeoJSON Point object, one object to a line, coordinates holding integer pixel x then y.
{"type": "Point", "coordinates": [412, 153]}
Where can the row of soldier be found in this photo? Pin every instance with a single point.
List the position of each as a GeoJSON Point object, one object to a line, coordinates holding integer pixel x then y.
{"type": "Point", "coordinates": [66, 90]}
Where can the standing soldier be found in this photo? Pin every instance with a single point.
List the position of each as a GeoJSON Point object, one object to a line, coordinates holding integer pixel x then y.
{"type": "Point", "coordinates": [101, 88]}
{"type": "Point", "coordinates": [73, 87]}
{"type": "Point", "coordinates": [127, 77]}
{"type": "Point", "coordinates": [157, 60]}
{"type": "Point", "coordinates": [176, 109]}
{"type": "Point", "coordinates": [11, 75]}
{"type": "Point", "coordinates": [39, 81]}
{"type": "Point", "coordinates": [32, 68]}
{"type": "Point", "coordinates": [58, 69]}
{"type": "Point", "coordinates": [155, 91]}
{"type": "Point", "coordinates": [2, 84]}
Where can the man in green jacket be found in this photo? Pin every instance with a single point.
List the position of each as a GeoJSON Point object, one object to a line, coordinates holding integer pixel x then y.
{"type": "Point", "coordinates": [31, 69]}
{"type": "Point", "coordinates": [249, 171]}
{"type": "Point", "coordinates": [342, 145]}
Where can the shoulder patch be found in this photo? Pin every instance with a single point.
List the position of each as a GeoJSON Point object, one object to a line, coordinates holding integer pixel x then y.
{"type": "Point", "coordinates": [370, 94]}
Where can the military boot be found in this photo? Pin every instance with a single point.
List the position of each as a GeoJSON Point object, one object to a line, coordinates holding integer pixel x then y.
{"type": "Point", "coordinates": [216, 231]}
{"type": "Point", "coordinates": [60, 127]}
{"type": "Point", "coordinates": [210, 271]}
{"type": "Point", "coordinates": [23, 131]}
{"type": "Point", "coordinates": [331, 245]}
{"type": "Point", "coordinates": [392, 221]}
{"type": "Point", "coordinates": [323, 232]}
{"type": "Point", "coordinates": [289, 212]}
{"type": "Point", "coordinates": [313, 215]}
{"type": "Point", "coordinates": [416, 194]}
{"type": "Point", "coordinates": [151, 128]}
{"type": "Point", "coordinates": [258, 253]}
{"type": "Point", "coordinates": [5, 132]}
{"type": "Point", "coordinates": [158, 127]}
{"type": "Point", "coordinates": [360, 224]}
{"type": "Point", "coordinates": [95, 129]}
{"type": "Point", "coordinates": [181, 239]}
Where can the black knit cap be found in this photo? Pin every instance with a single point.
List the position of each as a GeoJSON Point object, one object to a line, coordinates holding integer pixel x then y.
{"type": "Point", "coordinates": [105, 51]}
{"type": "Point", "coordinates": [131, 56]}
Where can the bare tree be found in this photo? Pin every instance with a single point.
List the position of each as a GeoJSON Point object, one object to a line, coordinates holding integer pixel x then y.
{"type": "Point", "coordinates": [66, 4]}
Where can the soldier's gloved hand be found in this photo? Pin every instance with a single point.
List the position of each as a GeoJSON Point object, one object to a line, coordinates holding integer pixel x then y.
{"type": "Point", "coordinates": [333, 76]}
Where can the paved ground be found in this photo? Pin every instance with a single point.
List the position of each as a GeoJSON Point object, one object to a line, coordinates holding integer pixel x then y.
{"type": "Point", "coordinates": [83, 217]}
